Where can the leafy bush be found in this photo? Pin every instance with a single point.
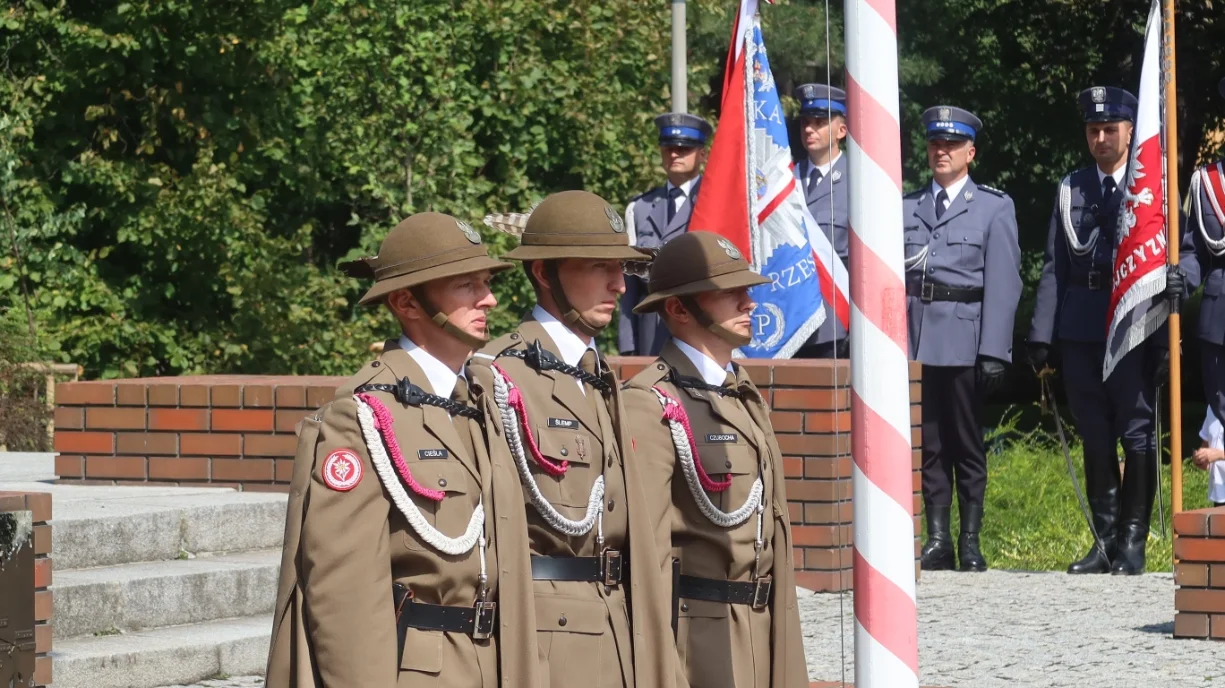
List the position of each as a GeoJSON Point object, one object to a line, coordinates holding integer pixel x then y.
{"type": "Point", "coordinates": [23, 410]}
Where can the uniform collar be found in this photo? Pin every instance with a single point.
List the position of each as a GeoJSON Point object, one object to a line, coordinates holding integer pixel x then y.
{"type": "Point", "coordinates": [953, 189]}
{"type": "Point", "coordinates": [1118, 175]}
{"type": "Point", "coordinates": [569, 345]}
{"type": "Point", "coordinates": [685, 188]}
{"type": "Point", "coordinates": [710, 371]}
{"type": "Point", "coordinates": [442, 379]}
{"type": "Point", "coordinates": [827, 166]}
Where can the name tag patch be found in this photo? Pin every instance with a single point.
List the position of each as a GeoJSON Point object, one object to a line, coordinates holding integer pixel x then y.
{"type": "Point", "coordinates": [721, 437]}
{"type": "Point", "coordinates": [567, 423]}
{"type": "Point", "coordinates": [432, 454]}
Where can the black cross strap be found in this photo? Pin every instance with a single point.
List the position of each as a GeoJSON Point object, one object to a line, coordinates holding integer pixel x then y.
{"type": "Point", "coordinates": [686, 382]}
{"type": "Point", "coordinates": [542, 359]}
{"type": "Point", "coordinates": [411, 395]}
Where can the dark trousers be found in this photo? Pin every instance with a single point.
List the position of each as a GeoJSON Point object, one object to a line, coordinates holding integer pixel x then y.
{"type": "Point", "coordinates": [1212, 360]}
{"type": "Point", "coordinates": [953, 436]}
{"type": "Point", "coordinates": [1119, 409]}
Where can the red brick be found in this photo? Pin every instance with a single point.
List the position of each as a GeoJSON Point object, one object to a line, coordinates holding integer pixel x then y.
{"type": "Point", "coordinates": [916, 393]}
{"type": "Point", "coordinates": [130, 394]}
{"type": "Point", "coordinates": [284, 470]}
{"type": "Point", "coordinates": [795, 512]}
{"type": "Point", "coordinates": [1192, 575]}
{"type": "Point", "coordinates": [1216, 523]}
{"type": "Point", "coordinates": [164, 395]}
{"type": "Point", "coordinates": [814, 445]}
{"type": "Point", "coordinates": [42, 573]}
{"type": "Point", "coordinates": [269, 445]}
{"type": "Point", "coordinates": [258, 487]}
{"type": "Point", "coordinates": [39, 504]}
{"type": "Point", "coordinates": [632, 367]}
{"type": "Point", "coordinates": [1199, 549]}
{"type": "Point", "coordinates": [286, 421]}
{"type": "Point", "coordinates": [821, 536]}
{"type": "Point", "coordinates": [1191, 523]}
{"type": "Point", "coordinates": [318, 396]}
{"type": "Point", "coordinates": [827, 559]}
{"type": "Point", "coordinates": [242, 469]}
{"type": "Point", "coordinates": [242, 420]}
{"type": "Point", "coordinates": [827, 467]}
{"type": "Point", "coordinates": [85, 393]}
{"type": "Point", "coordinates": [827, 421]}
{"type": "Point", "coordinates": [257, 396]}
{"type": "Point", "coordinates": [106, 418]}
{"type": "Point", "coordinates": [178, 468]}
{"type": "Point", "coordinates": [193, 395]}
{"type": "Point", "coordinates": [1216, 627]}
{"type": "Point", "coordinates": [228, 396]}
{"type": "Point", "coordinates": [828, 513]}
{"type": "Point", "coordinates": [787, 421]}
{"type": "Point", "coordinates": [812, 373]}
{"type": "Point", "coordinates": [291, 397]}
{"type": "Point", "coordinates": [1199, 600]}
{"type": "Point", "coordinates": [178, 419]}
{"type": "Point", "coordinates": [67, 418]}
{"type": "Point", "coordinates": [825, 581]}
{"type": "Point", "coordinates": [69, 466]}
{"type": "Point", "coordinates": [42, 540]}
{"type": "Point", "coordinates": [819, 490]}
{"type": "Point", "coordinates": [84, 442]}
{"type": "Point", "coordinates": [115, 467]}
{"type": "Point", "coordinates": [759, 373]}
{"type": "Point", "coordinates": [145, 444]}
{"type": "Point", "coordinates": [191, 444]}
{"type": "Point", "coordinates": [42, 671]}
{"type": "Point", "coordinates": [916, 415]}
{"type": "Point", "coordinates": [1216, 575]}
{"type": "Point", "coordinates": [42, 638]}
{"type": "Point", "coordinates": [811, 399]}
{"type": "Point", "coordinates": [1190, 625]}
{"type": "Point", "coordinates": [793, 467]}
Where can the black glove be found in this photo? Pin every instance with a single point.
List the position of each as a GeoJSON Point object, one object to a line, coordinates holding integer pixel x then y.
{"type": "Point", "coordinates": [990, 375]}
{"type": "Point", "coordinates": [843, 348]}
{"type": "Point", "coordinates": [1037, 354]}
{"type": "Point", "coordinates": [1175, 283]}
{"type": "Point", "coordinates": [1161, 366]}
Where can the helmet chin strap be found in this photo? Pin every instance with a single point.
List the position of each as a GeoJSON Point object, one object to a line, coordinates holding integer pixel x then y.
{"type": "Point", "coordinates": [727, 335]}
{"type": "Point", "coordinates": [442, 320]}
{"type": "Point", "coordinates": [572, 317]}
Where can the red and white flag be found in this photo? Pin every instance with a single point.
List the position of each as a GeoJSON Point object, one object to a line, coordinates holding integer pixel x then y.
{"type": "Point", "coordinates": [1137, 309]}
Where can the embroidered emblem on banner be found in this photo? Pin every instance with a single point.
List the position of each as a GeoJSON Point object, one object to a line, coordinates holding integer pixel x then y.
{"type": "Point", "coordinates": [342, 470]}
{"type": "Point", "coordinates": [425, 454]}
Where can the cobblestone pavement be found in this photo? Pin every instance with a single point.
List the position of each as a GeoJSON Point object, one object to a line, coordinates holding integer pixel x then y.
{"type": "Point", "coordinates": [1032, 629]}
{"type": "Point", "coordinates": [1017, 630]}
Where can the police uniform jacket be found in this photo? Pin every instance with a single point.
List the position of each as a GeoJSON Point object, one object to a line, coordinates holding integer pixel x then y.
{"type": "Point", "coordinates": [973, 245]}
{"type": "Point", "coordinates": [585, 632]}
{"type": "Point", "coordinates": [334, 621]}
{"type": "Point", "coordinates": [720, 644]}
{"type": "Point", "coordinates": [1208, 236]}
{"type": "Point", "coordinates": [828, 202]}
{"type": "Point", "coordinates": [646, 221]}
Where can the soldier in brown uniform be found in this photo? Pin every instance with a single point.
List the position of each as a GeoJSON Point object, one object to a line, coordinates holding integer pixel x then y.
{"type": "Point", "coordinates": [404, 561]}
{"type": "Point", "coordinates": [599, 607]}
{"type": "Point", "coordinates": [702, 439]}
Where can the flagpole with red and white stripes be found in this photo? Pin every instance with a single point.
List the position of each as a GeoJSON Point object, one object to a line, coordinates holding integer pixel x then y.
{"type": "Point", "coordinates": [886, 617]}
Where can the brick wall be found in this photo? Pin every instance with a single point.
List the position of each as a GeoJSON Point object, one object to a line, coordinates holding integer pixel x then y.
{"type": "Point", "coordinates": [39, 504]}
{"type": "Point", "coordinates": [1200, 574]}
{"type": "Point", "coordinates": [237, 431]}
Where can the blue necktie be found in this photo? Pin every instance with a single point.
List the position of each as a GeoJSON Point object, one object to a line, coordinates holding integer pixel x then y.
{"type": "Point", "coordinates": [941, 198]}
{"type": "Point", "coordinates": [673, 194]}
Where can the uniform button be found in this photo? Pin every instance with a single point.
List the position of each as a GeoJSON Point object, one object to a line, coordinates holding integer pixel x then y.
{"type": "Point", "coordinates": [610, 461]}
{"type": "Point", "coordinates": [936, 235]}
{"type": "Point", "coordinates": [562, 620]}
{"type": "Point", "coordinates": [659, 366]}
{"type": "Point", "coordinates": [564, 452]}
{"type": "Point", "coordinates": [442, 482]}
{"type": "Point", "coordinates": [375, 364]}
{"type": "Point", "coordinates": [684, 606]}
{"type": "Point", "coordinates": [612, 504]}
{"type": "Point", "coordinates": [514, 336]}
{"type": "Point", "coordinates": [931, 271]}
{"type": "Point", "coordinates": [933, 254]}
{"type": "Point", "coordinates": [727, 464]}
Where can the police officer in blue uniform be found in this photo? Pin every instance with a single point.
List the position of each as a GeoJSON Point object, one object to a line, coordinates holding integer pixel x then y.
{"type": "Point", "coordinates": [661, 214]}
{"type": "Point", "coordinates": [823, 174]}
{"type": "Point", "coordinates": [963, 283]}
{"type": "Point", "coordinates": [1207, 229]}
{"type": "Point", "coordinates": [1071, 313]}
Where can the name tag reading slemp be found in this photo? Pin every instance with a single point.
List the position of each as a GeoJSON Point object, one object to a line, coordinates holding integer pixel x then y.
{"type": "Point", "coordinates": [721, 437]}
{"type": "Point", "coordinates": [567, 423]}
{"type": "Point", "coordinates": [432, 454]}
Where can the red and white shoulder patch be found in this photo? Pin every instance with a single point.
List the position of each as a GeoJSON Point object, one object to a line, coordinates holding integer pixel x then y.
{"type": "Point", "coordinates": [342, 470]}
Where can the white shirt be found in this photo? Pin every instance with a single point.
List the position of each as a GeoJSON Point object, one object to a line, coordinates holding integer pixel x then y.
{"type": "Point", "coordinates": [681, 199]}
{"type": "Point", "coordinates": [710, 371]}
{"type": "Point", "coordinates": [1214, 435]}
{"type": "Point", "coordinates": [954, 189]}
{"type": "Point", "coordinates": [1118, 175]}
{"type": "Point", "coordinates": [570, 346]}
{"type": "Point", "coordinates": [442, 378]}
{"type": "Point", "coordinates": [827, 166]}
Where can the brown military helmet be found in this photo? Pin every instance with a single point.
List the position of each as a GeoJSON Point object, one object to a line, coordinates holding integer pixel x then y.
{"type": "Point", "coordinates": [423, 248]}
{"type": "Point", "coordinates": [574, 224]}
{"type": "Point", "coordinates": [693, 263]}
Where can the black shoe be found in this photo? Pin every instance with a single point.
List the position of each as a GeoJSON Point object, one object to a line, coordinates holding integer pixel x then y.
{"type": "Point", "coordinates": [1093, 562]}
{"type": "Point", "coordinates": [937, 554]}
{"type": "Point", "coordinates": [1130, 559]}
{"type": "Point", "coordinates": [968, 553]}
{"type": "Point", "coordinates": [1135, 510]}
{"type": "Point", "coordinates": [1102, 552]}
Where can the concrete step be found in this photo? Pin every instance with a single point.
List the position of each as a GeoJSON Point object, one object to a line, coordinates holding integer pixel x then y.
{"type": "Point", "coordinates": [107, 526]}
{"type": "Point", "coordinates": [164, 656]}
{"type": "Point", "coordinates": [132, 597]}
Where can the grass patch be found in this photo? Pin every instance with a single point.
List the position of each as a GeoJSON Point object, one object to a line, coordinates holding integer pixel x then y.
{"type": "Point", "coordinates": [1032, 520]}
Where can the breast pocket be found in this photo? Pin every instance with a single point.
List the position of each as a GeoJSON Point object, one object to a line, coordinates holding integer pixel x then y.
{"type": "Point", "coordinates": [734, 459]}
{"type": "Point", "coordinates": [584, 455]}
{"type": "Point", "coordinates": [569, 635]}
{"type": "Point", "coordinates": [702, 642]}
{"type": "Point", "coordinates": [915, 239]}
{"type": "Point", "coordinates": [967, 246]}
{"type": "Point", "coordinates": [460, 496]}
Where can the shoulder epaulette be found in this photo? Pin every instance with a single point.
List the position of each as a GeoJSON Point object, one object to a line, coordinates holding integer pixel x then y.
{"type": "Point", "coordinates": [916, 193]}
{"type": "Point", "coordinates": [648, 376]}
{"type": "Point", "coordinates": [496, 348]}
{"type": "Point", "coordinates": [993, 190]}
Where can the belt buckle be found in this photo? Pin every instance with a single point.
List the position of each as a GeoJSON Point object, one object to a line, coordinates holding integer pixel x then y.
{"type": "Point", "coordinates": [761, 592]}
{"type": "Point", "coordinates": [486, 618]}
{"type": "Point", "coordinates": [612, 567]}
{"type": "Point", "coordinates": [1095, 280]}
{"type": "Point", "coordinates": [927, 292]}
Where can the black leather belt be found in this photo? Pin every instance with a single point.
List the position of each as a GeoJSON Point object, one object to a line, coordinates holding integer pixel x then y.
{"type": "Point", "coordinates": [1093, 280]}
{"type": "Point", "coordinates": [610, 569]}
{"type": "Point", "coordinates": [477, 621]}
{"type": "Point", "coordinates": [930, 291]}
{"type": "Point", "coordinates": [756, 593]}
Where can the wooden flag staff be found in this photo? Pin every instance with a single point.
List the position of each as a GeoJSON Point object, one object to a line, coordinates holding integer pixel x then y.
{"type": "Point", "coordinates": [1172, 217]}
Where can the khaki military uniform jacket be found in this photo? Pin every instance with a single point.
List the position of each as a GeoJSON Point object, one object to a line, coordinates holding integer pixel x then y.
{"type": "Point", "coordinates": [720, 644]}
{"type": "Point", "coordinates": [334, 622]}
{"type": "Point", "coordinates": [587, 633]}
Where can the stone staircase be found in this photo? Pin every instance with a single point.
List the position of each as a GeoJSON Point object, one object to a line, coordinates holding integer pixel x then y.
{"type": "Point", "coordinates": [162, 585]}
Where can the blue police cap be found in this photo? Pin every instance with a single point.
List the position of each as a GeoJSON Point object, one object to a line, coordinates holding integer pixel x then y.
{"type": "Point", "coordinates": [679, 129]}
{"type": "Point", "coordinates": [1107, 104]}
{"type": "Point", "coordinates": [951, 123]}
{"type": "Point", "coordinates": [819, 100]}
